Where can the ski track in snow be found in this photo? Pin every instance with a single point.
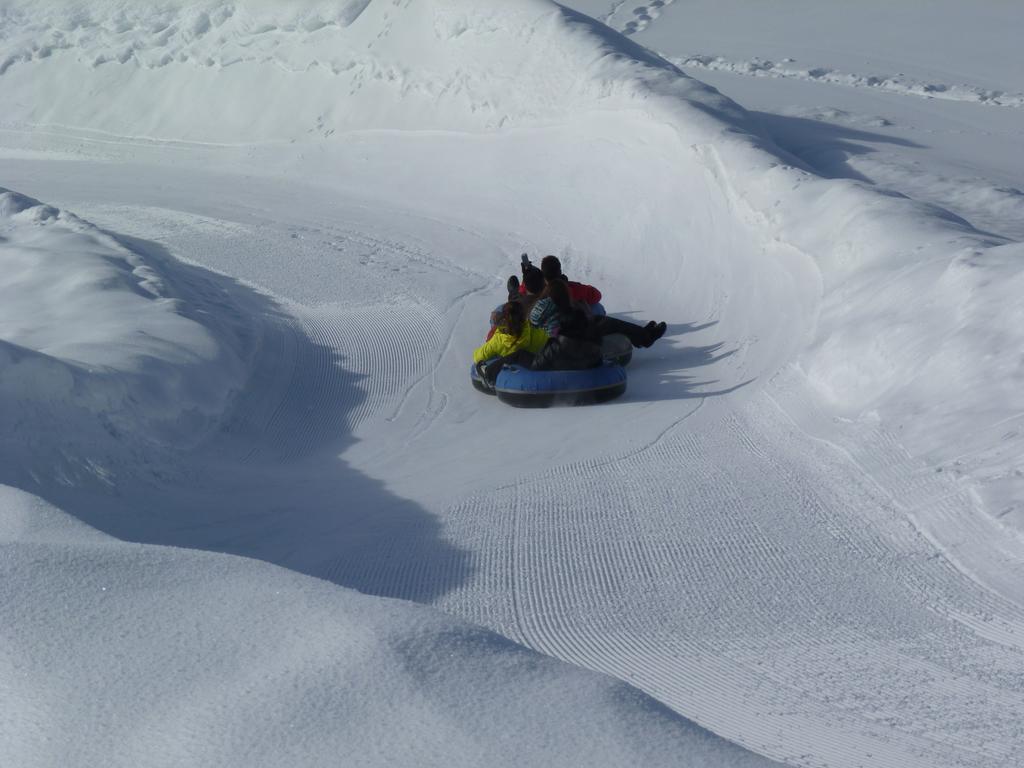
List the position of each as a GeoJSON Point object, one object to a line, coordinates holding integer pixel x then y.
{"type": "Point", "coordinates": [753, 615]}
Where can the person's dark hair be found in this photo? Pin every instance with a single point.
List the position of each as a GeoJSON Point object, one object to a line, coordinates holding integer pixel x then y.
{"type": "Point", "coordinates": [533, 279]}
{"type": "Point", "coordinates": [551, 267]}
{"type": "Point", "coordinates": [512, 318]}
{"type": "Point", "coordinates": [558, 291]}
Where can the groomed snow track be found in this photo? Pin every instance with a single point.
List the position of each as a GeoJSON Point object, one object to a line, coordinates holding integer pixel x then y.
{"type": "Point", "coordinates": [748, 611]}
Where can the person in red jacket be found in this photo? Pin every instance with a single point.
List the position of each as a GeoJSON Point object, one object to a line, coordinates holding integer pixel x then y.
{"type": "Point", "coordinates": [551, 268]}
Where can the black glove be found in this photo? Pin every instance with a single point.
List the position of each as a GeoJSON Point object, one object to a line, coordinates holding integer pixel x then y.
{"type": "Point", "coordinates": [525, 263]}
{"type": "Point", "coordinates": [492, 370]}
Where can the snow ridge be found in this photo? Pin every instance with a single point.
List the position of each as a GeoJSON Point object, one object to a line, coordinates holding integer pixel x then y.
{"type": "Point", "coordinates": [92, 335]}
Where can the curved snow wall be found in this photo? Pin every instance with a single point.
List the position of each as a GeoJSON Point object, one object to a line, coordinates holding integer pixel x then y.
{"type": "Point", "coordinates": [527, 119]}
{"type": "Point", "coordinates": [522, 116]}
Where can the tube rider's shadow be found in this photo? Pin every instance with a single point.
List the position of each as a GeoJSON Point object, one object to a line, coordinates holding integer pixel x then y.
{"type": "Point", "coordinates": [674, 364]}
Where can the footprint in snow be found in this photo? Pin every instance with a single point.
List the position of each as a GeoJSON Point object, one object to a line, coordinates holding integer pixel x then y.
{"type": "Point", "coordinates": [645, 14]}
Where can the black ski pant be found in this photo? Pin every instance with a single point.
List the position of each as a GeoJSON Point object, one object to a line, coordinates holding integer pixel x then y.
{"type": "Point", "coordinates": [604, 325]}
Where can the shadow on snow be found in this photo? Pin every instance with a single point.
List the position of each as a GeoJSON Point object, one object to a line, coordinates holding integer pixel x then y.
{"type": "Point", "coordinates": [824, 147]}
{"type": "Point", "coordinates": [269, 483]}
{"type": "Point", "coordinates": [670, 380]}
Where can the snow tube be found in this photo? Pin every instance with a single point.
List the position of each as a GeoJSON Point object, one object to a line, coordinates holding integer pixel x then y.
{"type": "Point", "coordinates": [523, 388]}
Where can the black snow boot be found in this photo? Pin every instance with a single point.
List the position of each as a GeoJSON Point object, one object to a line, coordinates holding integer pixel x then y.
{"type": "Point", "coordinates": [654, 332]}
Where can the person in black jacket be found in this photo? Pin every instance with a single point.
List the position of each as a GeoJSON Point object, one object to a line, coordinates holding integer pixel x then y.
{"type": "Point", "coordinates": [574, 343]}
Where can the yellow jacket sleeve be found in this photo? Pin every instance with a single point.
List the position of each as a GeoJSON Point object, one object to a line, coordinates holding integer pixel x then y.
{"type": "Point", "coordinates": [501, 344]}
{"type": "Point", "coordinates": [490, 348]}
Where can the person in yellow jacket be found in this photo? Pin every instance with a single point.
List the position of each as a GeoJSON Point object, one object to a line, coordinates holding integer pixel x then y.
{"type": "Point", "coordinates": [513, 334]}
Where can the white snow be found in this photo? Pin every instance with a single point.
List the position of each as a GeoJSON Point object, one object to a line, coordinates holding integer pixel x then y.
{"type": "Point", "coordinates": [120, 654]}
{"type": "Point", "coordinates": [800, 529]}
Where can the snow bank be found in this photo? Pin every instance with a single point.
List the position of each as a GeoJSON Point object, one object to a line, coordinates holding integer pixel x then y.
{"type": "Point", "coordinates": [271, 668]}
{"type": "Point", "coordinates": [96, 344]}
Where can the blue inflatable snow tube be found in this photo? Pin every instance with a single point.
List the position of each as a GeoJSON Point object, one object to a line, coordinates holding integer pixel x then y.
{"type": "Point", "coordinates": [525, 388]}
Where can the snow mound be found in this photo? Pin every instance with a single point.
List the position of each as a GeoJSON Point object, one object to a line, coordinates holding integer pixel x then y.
{"type": "Point", "coordinates": [272, 668]}
{"type": "Point", "coordinates": [95, 341]}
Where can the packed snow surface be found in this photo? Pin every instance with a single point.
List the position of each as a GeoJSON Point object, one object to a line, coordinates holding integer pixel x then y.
{"type": "Point", "coordinates": [246, 251]}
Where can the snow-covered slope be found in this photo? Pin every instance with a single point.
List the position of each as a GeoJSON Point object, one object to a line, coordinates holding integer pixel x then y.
{"type": "Point", "coordinates": [755, 534]}
{"type": "Point", "coordinates": [128, 655]}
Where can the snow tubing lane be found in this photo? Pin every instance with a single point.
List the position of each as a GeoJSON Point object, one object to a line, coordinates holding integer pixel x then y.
{"type": "Point", "coordinates": [523, 388]}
